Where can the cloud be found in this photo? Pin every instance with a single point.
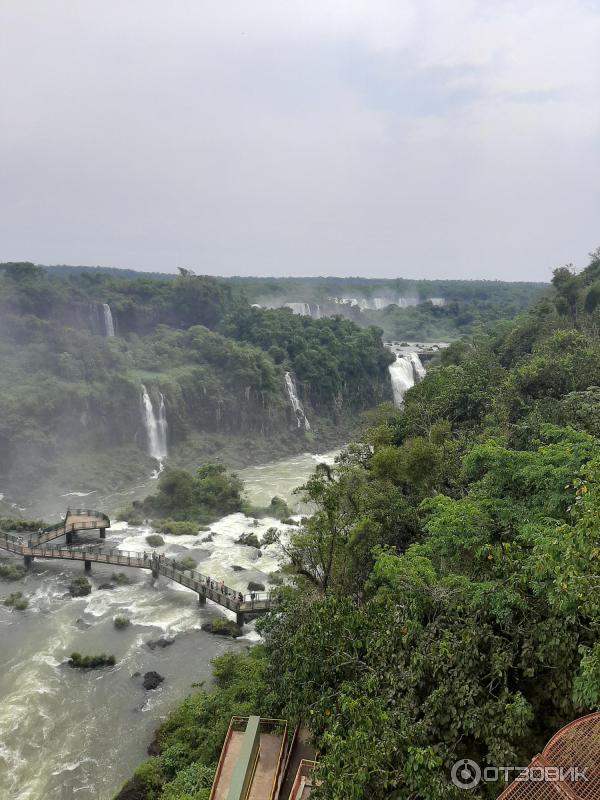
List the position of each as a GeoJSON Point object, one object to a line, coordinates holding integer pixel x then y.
{"type": "Point", "coordinates": [389, 138]}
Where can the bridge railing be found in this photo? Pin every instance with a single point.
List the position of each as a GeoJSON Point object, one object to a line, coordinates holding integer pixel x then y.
{"type": "Point", "coordinates": [50, 528]}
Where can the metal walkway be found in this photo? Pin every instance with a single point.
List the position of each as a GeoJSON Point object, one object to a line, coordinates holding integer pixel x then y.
{"type": "Point", "coordinates": [84, 519]}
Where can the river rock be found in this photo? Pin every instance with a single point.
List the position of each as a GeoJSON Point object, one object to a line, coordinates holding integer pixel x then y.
{"type": "Point", "coordinates": [162, 641]}
{"type": "Point", "coordinates": [152, 680]}
{"type": "Point", "coordinates": [249, 539]}
{"type": "Point", "coordinates": [237, 568]}
{"type": "Point", "coordinates": [222, 627]}
{"type": "Point", "coordinates": [106, 586]}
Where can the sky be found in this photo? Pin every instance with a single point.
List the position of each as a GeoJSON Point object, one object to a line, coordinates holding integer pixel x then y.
{"type": "Point", "coordinates": [381, 138]}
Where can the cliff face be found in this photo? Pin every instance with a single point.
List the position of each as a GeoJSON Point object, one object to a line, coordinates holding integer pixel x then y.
{"type": "Point", "coordinates": [79, 379]}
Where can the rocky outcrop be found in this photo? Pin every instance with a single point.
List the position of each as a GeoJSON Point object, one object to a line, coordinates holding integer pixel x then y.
{"type": "Point", "coordinates": [152, 680]}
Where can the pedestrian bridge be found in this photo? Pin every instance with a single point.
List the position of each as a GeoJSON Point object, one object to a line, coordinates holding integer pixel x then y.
{"type": "Point", "coordinates": [33, 545]}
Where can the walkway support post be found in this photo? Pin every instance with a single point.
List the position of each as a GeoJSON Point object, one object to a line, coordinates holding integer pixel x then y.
{"type": "Point", "coordinates": [201, 599]}
{"type": "Point", "coordinates": [103, 533]}
{"type": "Point", "coordinates": [69, 537]}
{"type": "Point", "coordinates": [28, 561]}
{"type": "Point", "coordinates": [239, 618]}
{"type": "Point", "coordinates": [87, 566]}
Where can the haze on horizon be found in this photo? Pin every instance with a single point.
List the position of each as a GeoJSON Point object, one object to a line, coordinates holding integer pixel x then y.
{"type": "Point", "coordinates": [382, 138]}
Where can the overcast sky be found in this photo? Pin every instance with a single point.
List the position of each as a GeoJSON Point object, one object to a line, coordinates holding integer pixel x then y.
{"type": "Point", "coordinates": [385, 138]}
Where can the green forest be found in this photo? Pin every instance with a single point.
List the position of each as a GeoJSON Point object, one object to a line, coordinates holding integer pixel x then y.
{"type": "Point", "coordinates": [442, 601]}
{"type": "Point", "coordinates": [71, 394]}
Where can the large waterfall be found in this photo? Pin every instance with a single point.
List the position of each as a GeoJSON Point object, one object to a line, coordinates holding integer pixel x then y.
{"type": "Point", "coordinates": [109, 325]}
{"type": "Point", "coordinates": [303, 309]}
{"type": "Point", "coordinates": [405, 372]}
{"type": "Point", "coordinates": [156, 425]}
{"type": "Point", "coordinates": [296, 404]}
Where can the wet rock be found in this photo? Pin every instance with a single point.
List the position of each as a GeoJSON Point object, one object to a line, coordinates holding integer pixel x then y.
{"type": "Point", "coordinates": [106, 586]}
{"type": "Point", "coordinates": [208, 538]}
{"type": "Point", "coordinates": [82, 624]}
{"type": "Point", "coordinates": [152, 680]}
{"type": "Point", "coordinates": [249, 539]}
{"type": "Point", "coordinates": [237, 568]}
{"type": "Point", "coordinates": [222, 627]}
{"type": "Point", "coordinates": [253, 586]}
{"type": "Point", "coordinates": [136, 675]}
{"type": "Point", "coordinates": [162, 641]}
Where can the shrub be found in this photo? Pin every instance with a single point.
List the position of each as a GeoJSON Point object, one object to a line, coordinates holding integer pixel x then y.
{"type": "Point", "coordinates": [185, 563]}
{"type": "Point", "coordinates": [91, 662]}
{"type": "Point", "coordinates": [80, 587]}
{"type": "Point", "coordinates": [155, 540]}
{"type": "Point", "coordinates": [16, 601]}
{"type": "Point", "coordinates": [179, 528]}
{"type": "Point", "coordinates": [253, 586]}
{"type": "Point", "coordinates": [121, 622]}
{"type": "Point", "coordinates": [120, 579]}
{"type": "Point", "coordinates": [12, 524]}
{"type": "Point", "coordinates": [12, 572]}
{"type": "Point", "coordinates": [271, 536]}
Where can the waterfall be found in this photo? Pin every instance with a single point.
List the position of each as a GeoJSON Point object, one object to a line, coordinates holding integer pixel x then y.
{"type": "Point", "coordinates": [156, 426]}
{"type": "Point", "coordinates": [109, 325]}
{"type": "Point", "coordinates": [303, 309]}
{"type": "Point", "coordinates": [296, 404]}
{"type": "Point", "coordinates": [405, 372]}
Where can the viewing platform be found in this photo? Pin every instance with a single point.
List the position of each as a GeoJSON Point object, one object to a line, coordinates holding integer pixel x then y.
{"type": "Point", "coordinates": [251, 760]}
{"type": "Point", "coordinates": [259, 761]}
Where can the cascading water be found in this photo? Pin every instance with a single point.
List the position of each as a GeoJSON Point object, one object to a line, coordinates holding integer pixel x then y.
{"type": "Point", "coordinates": [405, 372]}
{"type": "Point", "coordinates": [109, 325]}
{"type": "Point", "coordinates": [295, 402]}
{"type": "Point", "coordinates": [156, 426]}
{"type": "Point", "coordinates": [302, 309]}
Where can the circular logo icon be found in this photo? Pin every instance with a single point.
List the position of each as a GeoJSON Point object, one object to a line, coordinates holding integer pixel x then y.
{"type": "Point", "coordinates": [466, 774]}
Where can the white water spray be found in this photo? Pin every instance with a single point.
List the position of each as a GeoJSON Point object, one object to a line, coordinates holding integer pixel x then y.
{"type": "Point", "coordinates": [405, 372]}
{"type": "Point", "coordinates": [109, 325]}
{"type": "Point", "coordinates": [303, 309]}
{"type": "Point", "coordinates": [296, 404]}
{"type": "Point", "coordinates": [156, 426]}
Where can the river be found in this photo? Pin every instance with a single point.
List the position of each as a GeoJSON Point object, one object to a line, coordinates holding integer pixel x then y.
{"type": "Point", "coordinates": [66, 733]}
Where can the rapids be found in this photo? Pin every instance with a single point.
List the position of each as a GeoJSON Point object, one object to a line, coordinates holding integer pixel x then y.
{"type": "Point", "coordinates": [66, 733]}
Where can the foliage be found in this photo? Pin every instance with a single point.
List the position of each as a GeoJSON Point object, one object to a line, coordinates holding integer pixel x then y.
{"type": "Point", "coordinates": [178, 528]}
{"type": "Point", "coordinates": [12, 572]}
{"type": "Point", "coordinates": [448, 578]}
{"type": "Point", "coordinates": [121, 622]}
{"type": "Point", "coordinates": [204, 497]}
{"type": "Point", "coordinates": [185, 563]}
{"type": "Point", "coordinates": [16, 601]}
{"type": "Point", "coordinates": [91, 662]}
{"type": "Point", "coordinates": [80, 587]}
{"type": "Point", "coordinates": [154, 540]}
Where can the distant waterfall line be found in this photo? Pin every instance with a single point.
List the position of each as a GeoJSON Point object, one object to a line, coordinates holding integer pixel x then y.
{"type": "Point", "coordinates": [295, 402]}
{"type": "Point", "coordinates": [405, 372]}
{"type": "Point", "coordinates": [156, 425]}
{"type": "Point", "coordinates": [109, 324]}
